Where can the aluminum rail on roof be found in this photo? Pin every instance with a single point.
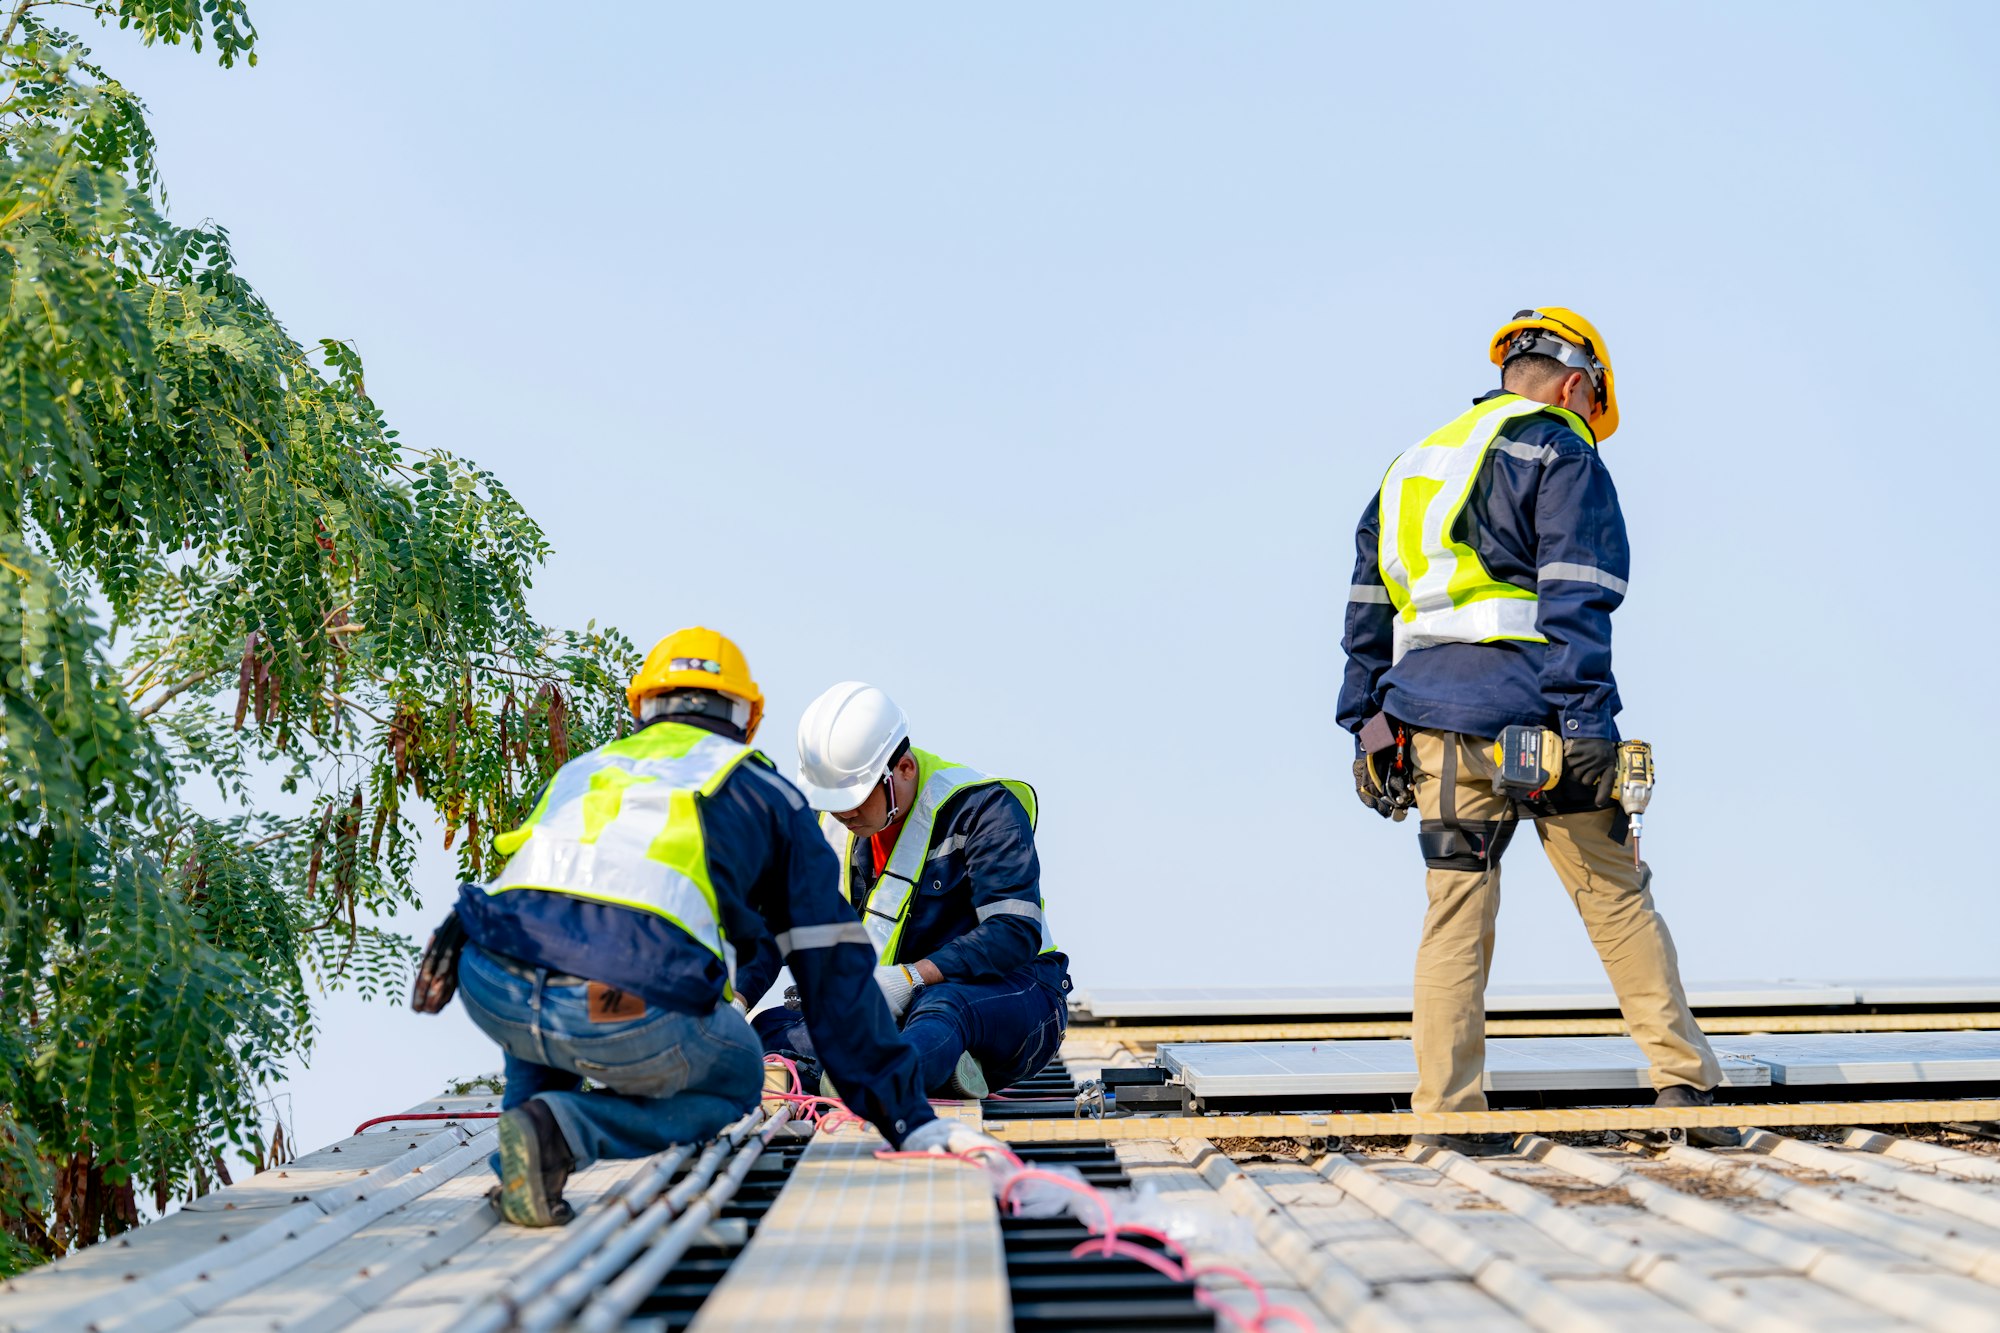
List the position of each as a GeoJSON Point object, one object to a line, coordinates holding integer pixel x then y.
{"type": "Point", "coordinates": [612, 1302]}
{"type": "Point", "coordinates": [1099, 1003]}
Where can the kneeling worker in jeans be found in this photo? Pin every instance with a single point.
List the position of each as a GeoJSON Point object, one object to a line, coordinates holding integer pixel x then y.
{"type": "Point", "coordinates": [606, 948]}
{"type": "Point", "coordinates": [940, 861]}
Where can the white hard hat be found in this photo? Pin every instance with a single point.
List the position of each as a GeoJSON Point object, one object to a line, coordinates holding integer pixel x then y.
{"type": "Point", "coordinates": [846, 740]}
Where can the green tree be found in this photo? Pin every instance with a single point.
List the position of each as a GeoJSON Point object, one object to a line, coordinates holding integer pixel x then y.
{"type": "Point", "coordinates": [219, 571]}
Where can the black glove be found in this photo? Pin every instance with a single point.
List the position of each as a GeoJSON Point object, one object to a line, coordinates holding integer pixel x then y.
{"type": "Point", "coordinates": [1388, 795]}
{"type": "Point", "coordinates": [1365, 787]}
{"type": "Point", "coordinates": [1592, 762]}
{"type": "Point", "coordinates": [437, 974]}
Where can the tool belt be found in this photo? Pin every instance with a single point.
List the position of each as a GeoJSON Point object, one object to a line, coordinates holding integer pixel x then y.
{"type": "Point", "coordinates": [1450, 842]}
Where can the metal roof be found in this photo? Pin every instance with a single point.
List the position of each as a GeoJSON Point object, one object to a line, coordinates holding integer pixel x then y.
{"type": "Point", "coordinates": [391, 1229]}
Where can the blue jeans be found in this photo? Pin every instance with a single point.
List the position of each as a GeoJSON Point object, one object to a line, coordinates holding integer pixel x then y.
{"type": "Point", "coordinates": [666, 1077]}
{"type": "Point", "coordinates": [1013, 1027]}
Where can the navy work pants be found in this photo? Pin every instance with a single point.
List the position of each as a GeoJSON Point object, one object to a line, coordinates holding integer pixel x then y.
{"type": "Point", "coordinates": [1012, 1026]}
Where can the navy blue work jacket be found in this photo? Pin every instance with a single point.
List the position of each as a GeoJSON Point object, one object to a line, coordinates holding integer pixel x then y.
{"type": "Point", "coordinates": [1542, 515]}
{"type": "Point", "coordinates": [773, 873]}
{"type": "Point", "coordinates": [982, 852]}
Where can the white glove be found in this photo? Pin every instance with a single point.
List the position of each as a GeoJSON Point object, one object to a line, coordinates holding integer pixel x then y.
{"type": "Point", "coordinates": [898, 984]}
{"type": "Point", "coordinates": [945, 1135]}
{"type": "Point", "coordinates": [742, 1005]}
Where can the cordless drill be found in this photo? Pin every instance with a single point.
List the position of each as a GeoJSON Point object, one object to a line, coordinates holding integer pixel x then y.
{"type": "Point", "coordinates": [1632, 783]}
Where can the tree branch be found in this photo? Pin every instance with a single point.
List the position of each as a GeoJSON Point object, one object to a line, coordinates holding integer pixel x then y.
{"type": "Point", "coordinates": [175, 690]}
{"type": "Point", "coordinates": [14, 21]}
{"type": "Point", "coordinates": [342, 701]}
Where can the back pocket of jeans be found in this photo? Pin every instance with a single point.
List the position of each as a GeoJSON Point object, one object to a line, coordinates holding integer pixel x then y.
{"type": "Point", "coordinates": [660, 1075]}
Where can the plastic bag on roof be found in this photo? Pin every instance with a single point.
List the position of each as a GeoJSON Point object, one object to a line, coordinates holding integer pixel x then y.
{"type": "Point", "coordinates": [1194, 1220]}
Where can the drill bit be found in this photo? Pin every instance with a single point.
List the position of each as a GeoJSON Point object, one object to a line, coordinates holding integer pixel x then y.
{"type": "Point", "coordinates": [1638, 832]}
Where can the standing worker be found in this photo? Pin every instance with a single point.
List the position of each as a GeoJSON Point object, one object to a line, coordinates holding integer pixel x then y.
{"type": "Point", "coordinates": [606, 949]}
{"type": "Point", "coordinates": [940, 861]}
{"type": "Point", "coordinates": [1486, 571]}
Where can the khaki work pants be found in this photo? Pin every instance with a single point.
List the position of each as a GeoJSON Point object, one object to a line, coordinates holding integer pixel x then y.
{"type": "Point", "coordinates": [1615, 900]}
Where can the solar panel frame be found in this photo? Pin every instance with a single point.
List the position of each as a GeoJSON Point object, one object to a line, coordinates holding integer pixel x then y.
{"type": "Point", "coordinates": [1799, 1059]}
{"type": "Point", "coordinates": [1929, 990]}
{"type": "Point", "coordinates": [1513, 1064]}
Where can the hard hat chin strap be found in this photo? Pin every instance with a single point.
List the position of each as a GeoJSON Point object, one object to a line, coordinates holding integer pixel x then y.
{"type": "Point", "coordinates": [889, 783]}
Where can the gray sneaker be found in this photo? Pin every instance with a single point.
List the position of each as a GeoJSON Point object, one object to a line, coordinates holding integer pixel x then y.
{"type": "Point", "coordinates": [968, 1080]}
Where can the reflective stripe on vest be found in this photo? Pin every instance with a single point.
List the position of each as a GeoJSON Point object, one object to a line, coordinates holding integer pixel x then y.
{"type": "Point", "coordinates": [1439, 587]}
{"type": "Point", "coordinates": [619, 825]}
{"type": "Point", "coordinates": [888, 906]}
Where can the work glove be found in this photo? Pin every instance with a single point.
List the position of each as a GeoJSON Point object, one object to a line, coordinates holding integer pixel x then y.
{"type": "Point", "coordinates": [1592, 762]}
{"type": "Point", "coordinates": [1389, 797]}
{"type": "Point", "coordinates": [944, 1135]}
{"type": "Point", "coordinates": [898, 984]}
{"type": "Point", "coordinates": [437, 973]}
{"type": "Point", "coordinates": [1371, 793]}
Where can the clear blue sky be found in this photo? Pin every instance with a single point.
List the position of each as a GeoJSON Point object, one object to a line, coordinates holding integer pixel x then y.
{"type": "Point", "coordinates": [1035, 363]}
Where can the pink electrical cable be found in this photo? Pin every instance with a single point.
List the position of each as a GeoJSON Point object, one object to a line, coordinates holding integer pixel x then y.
{"type": "Point", "coordinates": [1178, 1268]}
{"type": "Point", "coordinates": [1109, 1244]}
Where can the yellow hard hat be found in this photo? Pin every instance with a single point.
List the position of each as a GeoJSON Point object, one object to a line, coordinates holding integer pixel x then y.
{"type": "Point", "coordinates": [697, 659]}
{"type": "Point", "coordinates": [1571, 330]}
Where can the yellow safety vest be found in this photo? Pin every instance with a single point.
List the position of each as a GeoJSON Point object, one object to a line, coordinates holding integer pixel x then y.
{"type": "Point", "coordinates": [888, 905]}
{"type": "Point", "coordinates": [619, 825]}
{"type": "Point", "coordinates": [1441, 590]}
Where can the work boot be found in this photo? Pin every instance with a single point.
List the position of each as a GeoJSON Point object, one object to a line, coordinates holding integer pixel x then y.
{"type": "Point", "coordinates": [1468, 1145]}
{"type": "Point", "coordinates": [968, 1080]}
{"type": "Point", "coordinates": [535, 1162]}
{"type": "Point", "coordinates": [1681, 1094]}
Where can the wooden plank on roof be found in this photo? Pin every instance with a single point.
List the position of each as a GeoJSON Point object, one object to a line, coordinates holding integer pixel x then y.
{"type": "Point", "coordinates": [858, 1244]}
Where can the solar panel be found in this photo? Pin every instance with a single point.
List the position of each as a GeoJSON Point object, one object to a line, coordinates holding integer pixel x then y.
{"type": "Point", "coordinates": [1930, 990]}
{"type": "Point", "coordinates": [1513, 1064]}
{"type": "Point", "coordinates": [1240, 1001]}
{"type": "Point", "coordinates": [1874, 1057]}
{"type": "Point", "coordinates": [1331, 1001]}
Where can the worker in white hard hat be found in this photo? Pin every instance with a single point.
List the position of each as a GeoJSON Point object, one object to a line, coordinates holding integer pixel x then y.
{"type": "Point", "coordinates": [939, 859]}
